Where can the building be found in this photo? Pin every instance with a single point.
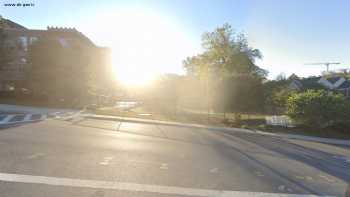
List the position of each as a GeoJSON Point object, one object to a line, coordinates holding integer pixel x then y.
{"type": "Point", "coordinates": [20, 38]}
{"type": "Point", "coordinates": [333, 83]}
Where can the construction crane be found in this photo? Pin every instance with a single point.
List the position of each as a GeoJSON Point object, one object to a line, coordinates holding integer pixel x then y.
{"type": "Point", "coordinates": [324, 63]}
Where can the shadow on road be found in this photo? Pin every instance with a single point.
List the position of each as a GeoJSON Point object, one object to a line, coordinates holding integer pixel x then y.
{"type": "Point", "coordinates": [326, 162]}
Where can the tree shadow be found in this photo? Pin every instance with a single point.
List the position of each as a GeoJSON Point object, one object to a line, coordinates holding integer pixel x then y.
{"type": "Point", "coordinates": [329, 163]}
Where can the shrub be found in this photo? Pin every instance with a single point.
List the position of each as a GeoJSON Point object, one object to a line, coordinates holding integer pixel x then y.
{"type": "Point", "coordinates": [244, 126]}
{"type": "Point", "coordinates": [318, 108]}
{"type": "Point", "coordinates": [237, 119]}
{"type": "Point", "coordinates": [262, 127]}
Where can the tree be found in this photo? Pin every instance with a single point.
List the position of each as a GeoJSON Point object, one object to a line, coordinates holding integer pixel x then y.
{"type": "Point", "coordinates": [57, 72]}
{"type": "Point", "coordinates": [239, 94]}
{"type": "Point", "coordinates": [226, 61]}
{"type": "Point", "coordinates": [165, 93]}
{"type": "Point", "coordinates": [276, 93]}
{"type": "Point", "coordinates": [226, 53]}
{"type": "Point", "coordinates": [318, 108]}
{"type": "Point", "coordinates": [281, 77]}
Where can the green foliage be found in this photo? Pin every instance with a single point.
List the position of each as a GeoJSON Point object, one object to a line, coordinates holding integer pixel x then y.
{"type": "Point", "coordinates": [164, 94]}
{"type": "Point", "coordinates": [244, 126]}
{"type": "Point", "coordinates": [280, 97]}
{"type": "Point", "coordinates": [276, 93]}
{"type": "Point", "coordinates": [262, 127]}
{"type": "Point", "coordinates": [318, 108]}
{"type": "Point", "coordinates": [239, 94]}
{"type": "Point", "coordinates": [226, 53]}
{"type": "Point", "coordinates": [227, 67]}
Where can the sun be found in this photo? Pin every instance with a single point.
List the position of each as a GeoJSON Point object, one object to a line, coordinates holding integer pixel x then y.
{"type": "Point", "coordinates": [133, 77]}
{"type": "Point", "coordinates": [144, 45]}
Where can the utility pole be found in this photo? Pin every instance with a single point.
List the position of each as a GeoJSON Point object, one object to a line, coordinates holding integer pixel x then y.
{"type": "Point", "coordinates": [208, 103]}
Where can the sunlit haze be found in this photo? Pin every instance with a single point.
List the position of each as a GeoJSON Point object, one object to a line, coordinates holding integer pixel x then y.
{"type": "Point", "coordinates": [152, 37]}
{"type": "Point", "coordinates": [145, 45]}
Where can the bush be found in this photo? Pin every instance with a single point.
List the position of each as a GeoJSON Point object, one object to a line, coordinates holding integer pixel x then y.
{"type": "Point", "coordinates": [318, 108]}
{"type": "Point", "coordinates": [244, 126]}
{"type": "Point", "coordinates": [262, 127]}
{"type": "Point", "coordinates": [237, 119]}
{"type": "Point", "coordinates": [226, 121]}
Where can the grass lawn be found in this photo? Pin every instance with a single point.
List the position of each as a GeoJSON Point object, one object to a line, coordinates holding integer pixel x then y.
{"type": "Point", "coordinates": [184, 116]}
{"type": "Point", "coordinates": [249, 121]}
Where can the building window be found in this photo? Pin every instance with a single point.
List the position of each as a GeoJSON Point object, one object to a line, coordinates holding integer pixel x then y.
{"type": "Point", "coordinates": [23, 42]}
{"type": "Point", "coordinates": [63, 42]}
{"type": "Point", "coordinates": [32, 40]}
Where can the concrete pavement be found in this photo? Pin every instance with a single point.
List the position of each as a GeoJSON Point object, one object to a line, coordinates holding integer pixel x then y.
{"type": "Point", "coordinates": [110, 158]}
{"type": "Point", "coordinates": [69, 114]}
{"type": "Point", "coordinates": [225, 129]}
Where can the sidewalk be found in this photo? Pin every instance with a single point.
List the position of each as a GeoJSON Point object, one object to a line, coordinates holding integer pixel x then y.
{"type": "Point", "coordinates": [67, 114]}
{"type": "Point", "coordinates": [225, 129]}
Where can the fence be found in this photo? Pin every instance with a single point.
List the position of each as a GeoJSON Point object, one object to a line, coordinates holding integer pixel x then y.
{"type": "Point", "coordinates": [283, 121]}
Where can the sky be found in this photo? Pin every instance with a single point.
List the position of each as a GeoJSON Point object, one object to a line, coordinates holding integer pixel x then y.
{"type": "Point", "coordinates": [155, 36]}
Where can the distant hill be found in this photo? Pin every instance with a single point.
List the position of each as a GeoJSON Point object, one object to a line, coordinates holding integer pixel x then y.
{"type": "Point", "coordinates": [6, 23]}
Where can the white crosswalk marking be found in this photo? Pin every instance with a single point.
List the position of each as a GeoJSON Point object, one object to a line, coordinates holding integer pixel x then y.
{"type": "Point", "coordinates": [27, 117]}
{"type": "Point", "coordinates": [8, 118]}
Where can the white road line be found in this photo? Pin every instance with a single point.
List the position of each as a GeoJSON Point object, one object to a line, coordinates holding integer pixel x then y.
{"type": "Point", "coordinates": [106, 160]}
{"type": "Point", "coordinates": [36, 155]}
{"type": "Point", "coordinates": [19, 178]}
{"type": "Point", "coordinates": [164, 166]}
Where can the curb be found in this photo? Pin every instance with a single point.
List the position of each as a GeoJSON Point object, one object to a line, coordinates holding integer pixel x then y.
{"type": "Point", "coordinates": [225, 129]}
{"type": "Point", "coordinates": [166, 123]}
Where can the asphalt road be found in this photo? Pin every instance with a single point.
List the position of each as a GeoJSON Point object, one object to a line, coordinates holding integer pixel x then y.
{"type": "Point", "coordinates": [95, 158]}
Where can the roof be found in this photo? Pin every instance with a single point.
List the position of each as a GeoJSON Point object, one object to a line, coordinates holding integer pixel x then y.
{"type": "Point", "coordinates": [297, 83]}
{"type": "Point", "coordinates": [10, 24]}
{"type": "Point", "coordinates": [333, 79]}
{"type": "Point", "coordinates": [308, 83]}
{"type": "Point", "coordinates": [345, 85]}
{"type": "Point", "coordinates": [311, 82]}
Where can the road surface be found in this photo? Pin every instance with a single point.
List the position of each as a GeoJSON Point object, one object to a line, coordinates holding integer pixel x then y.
{"type": "Point", "coordinates": [97, 158]}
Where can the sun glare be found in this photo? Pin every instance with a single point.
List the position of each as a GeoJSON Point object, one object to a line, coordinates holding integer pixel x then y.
{"type": "Point", "coordinates": [144, 45]}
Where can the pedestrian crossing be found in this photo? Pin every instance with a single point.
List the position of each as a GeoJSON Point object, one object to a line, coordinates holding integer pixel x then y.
{"type": "Point", "coordinates": [13, 119]}
{"type": "Point", "coordinates": [6, 119]}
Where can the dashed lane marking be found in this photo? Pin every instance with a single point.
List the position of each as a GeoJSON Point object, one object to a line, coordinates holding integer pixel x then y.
{"type": "Point", "coordinates": [327, 178]}
{"type": "Point", "coordinates": [36, 155]}
{"type": "Point", "coordinates": [106, 160]}
{"type": "Point", "coordinates": [164, 166]}
{"type": "Point", "coordinates": [55, 181]}
{"type": "Point", "coordinates": [258, 173]}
